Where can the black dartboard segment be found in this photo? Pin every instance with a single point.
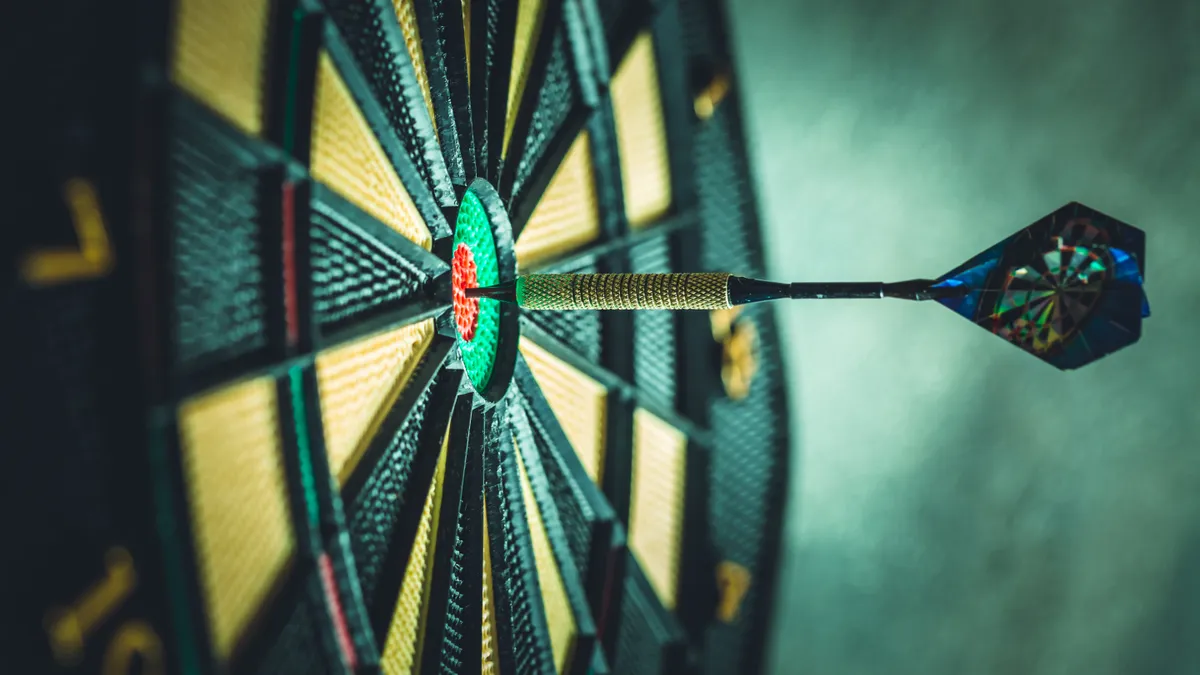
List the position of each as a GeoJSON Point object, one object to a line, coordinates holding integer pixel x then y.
{"type": "Point", "coordinates": [253, 430]}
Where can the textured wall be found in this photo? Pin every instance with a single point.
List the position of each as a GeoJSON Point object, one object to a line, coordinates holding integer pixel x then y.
{"type": "Point", "coordinates": [959, 507]}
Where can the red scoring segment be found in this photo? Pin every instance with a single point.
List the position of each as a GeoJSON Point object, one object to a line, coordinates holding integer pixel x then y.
{"type": "Point", "coordinates": [291, 304]}
{"type": "Point", "coordinates": [466, 310]}
{"type": "Point", "coordinates": [340, 627]}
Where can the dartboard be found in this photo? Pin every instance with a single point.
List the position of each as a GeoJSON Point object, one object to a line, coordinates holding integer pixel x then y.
{"type": "Point", "coordinates": [255, 424]}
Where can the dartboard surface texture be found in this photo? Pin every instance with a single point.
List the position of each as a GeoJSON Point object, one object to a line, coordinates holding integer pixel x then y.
{"type": "Point", "coordinates": [253, 424]}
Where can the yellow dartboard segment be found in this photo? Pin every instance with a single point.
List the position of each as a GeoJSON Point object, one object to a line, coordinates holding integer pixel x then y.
{"type": "Point", "coordinates": [568, 214]}
{"type": "Point", "coordinates": [641, 135]}
{"type": "Point", "coordinates": [578, 402]}
{"type": "Point", "coordinates": [347, 157]}
{"type": "Point", "coordinates": [219, 56]}
{"type": "Point", "coordinates": [237, 494]}
{"type": "Point", "coordinates": [656, 503]}
{"type": "Point", "coordinates": [489, 650]}
{"type": "Point", "coordinates": [358, 383]}
{"type": "Point", "coordinates": [402, 646]}
{"type": "Point", "coordinates": [560, 620]}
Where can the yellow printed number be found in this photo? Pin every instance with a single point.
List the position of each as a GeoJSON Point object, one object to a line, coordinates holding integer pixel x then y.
{"type": "Point", "coordinates": [733, 581]}
{"type": "Point", "coordinates": [93, 258]}
{"type": "Point", "coordinates": [135, 643]}
{"type": "Point", "coordinates": [739, 351]}
{"type": "Point", "coordinates": [134, 647]}
{"type": "Point", "coordinates": [68, 627]}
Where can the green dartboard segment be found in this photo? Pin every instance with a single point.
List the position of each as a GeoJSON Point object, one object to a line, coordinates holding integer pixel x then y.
{"type": "Point", "coordinates": [475, 231]}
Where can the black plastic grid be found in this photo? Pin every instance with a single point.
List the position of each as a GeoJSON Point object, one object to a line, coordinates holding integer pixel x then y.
{"type": "Point", "coordinates": [297, 648]}
{"type": "Point", "coordinates": [374, 513]}
{"type": "Point", "coordinates": [355, 277]}
{"type": "Point", "coordinates": [649, 640]}
{"type": "Point", "coordinates": [220, 302]}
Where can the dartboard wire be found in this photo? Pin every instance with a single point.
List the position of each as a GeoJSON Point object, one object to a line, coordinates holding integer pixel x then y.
{"type": "Point", "coordinates": [616, 434]}
{"type": "Point", "coordinates": [397, 486]}
{"type": "Point", "coordinates": [370, 31]}
{"type": "Point", "coordinates": [497, 516]}
{"type": "Point", "coordinates": [442, 32]}
{"type": "Point", "coordinates": [696, 590]}
{"type": "Point", "coordinates": [606, 165]}
{"type": "Point", "coordinates": [592, 21]}
{"type": "Point", "coordinates": [532, 41]}
{"type": "Point", "coordinates": [295, 41]}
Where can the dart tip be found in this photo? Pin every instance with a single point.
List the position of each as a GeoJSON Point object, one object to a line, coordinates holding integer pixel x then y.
{"type": "Point", "coordinates": [503, 292]}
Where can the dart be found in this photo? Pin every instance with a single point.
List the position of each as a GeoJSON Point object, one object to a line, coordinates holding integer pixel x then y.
{"type": "Point", "coordinates": [1067, 289]}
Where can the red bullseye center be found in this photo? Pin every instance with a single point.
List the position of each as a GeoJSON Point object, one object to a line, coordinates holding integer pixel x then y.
{"type": "Point", "coordinates": [466, 310]}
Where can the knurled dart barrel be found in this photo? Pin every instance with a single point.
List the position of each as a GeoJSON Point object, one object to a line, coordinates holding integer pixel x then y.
{"type": "Point", "coordinates": [623, 291]}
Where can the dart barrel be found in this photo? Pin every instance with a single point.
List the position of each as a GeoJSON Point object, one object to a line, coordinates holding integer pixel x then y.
{"type": "Point", "coordinates": [705, 291]}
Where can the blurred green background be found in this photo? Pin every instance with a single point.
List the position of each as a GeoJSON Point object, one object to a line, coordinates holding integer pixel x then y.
{"type": "Point", "coordinates": [958, 507]}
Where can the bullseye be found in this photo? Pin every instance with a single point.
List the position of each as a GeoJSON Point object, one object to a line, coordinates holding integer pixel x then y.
{"type": "Point", "coordinates": [486, 333]}
{"type": "Point", "coordinates": [464, 276]}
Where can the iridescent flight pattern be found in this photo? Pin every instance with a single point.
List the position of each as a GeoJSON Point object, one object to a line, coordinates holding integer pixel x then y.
{"type": "Point", "coordinates": [1067, 289]}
